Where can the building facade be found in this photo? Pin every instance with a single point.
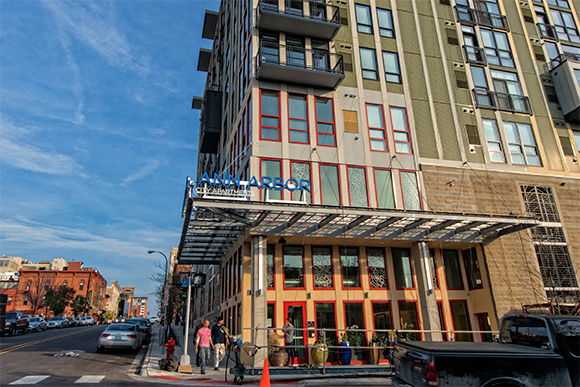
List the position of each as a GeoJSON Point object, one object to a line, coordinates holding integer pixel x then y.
{"type": "Point", "coordinates": [409, 164]}
{"type": "Point", "coordinates": [113, 295]}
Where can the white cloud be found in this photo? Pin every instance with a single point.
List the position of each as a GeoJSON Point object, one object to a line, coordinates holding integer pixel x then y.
{"type": "Point", "coordinates": [149, 169]}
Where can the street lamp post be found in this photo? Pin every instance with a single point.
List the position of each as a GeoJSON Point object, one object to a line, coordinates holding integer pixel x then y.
{"type": "Point", "coordinates": [165, 322]}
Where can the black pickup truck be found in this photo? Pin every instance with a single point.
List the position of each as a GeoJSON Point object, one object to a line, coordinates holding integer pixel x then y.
{"type": "Point", "coordinates": [533, 350]}
{"type": "Point", "coordinates": [15, 322]}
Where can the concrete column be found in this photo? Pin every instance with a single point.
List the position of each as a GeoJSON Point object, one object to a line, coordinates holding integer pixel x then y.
{"type": "Point", "coordinates": [426, 291]}
{"type": "Point", "coordinates": [259, 300]}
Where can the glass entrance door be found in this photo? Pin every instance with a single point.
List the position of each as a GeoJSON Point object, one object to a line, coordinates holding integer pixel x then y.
{"type": "Point", "coordinates": [296, 310]}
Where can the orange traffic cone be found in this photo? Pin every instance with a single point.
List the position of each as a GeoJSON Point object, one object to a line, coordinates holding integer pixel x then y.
{"type": "Point", "coordinates": [265, 382]}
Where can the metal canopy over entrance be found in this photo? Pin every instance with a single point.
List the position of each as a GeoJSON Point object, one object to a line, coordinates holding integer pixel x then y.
{"type": "Point", "coordinates": [212, 226]}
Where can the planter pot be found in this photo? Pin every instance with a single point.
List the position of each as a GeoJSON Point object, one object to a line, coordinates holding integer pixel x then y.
{"type": "Point", "coordinates": [374, 354]}
{"type": "Point", "coordinates": [345, 353]}
{"type": "Point", "coordinates": [278, 358]}
{"type": "Point", "coordinates": [319, 355]}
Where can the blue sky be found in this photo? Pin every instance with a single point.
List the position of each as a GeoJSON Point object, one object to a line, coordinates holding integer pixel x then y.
{"type": "Point", "coordinates": [97, 135]}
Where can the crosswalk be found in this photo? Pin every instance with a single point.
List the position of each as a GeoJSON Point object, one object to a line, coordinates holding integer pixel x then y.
{"type": "Point", "coordinates": [35, 379]}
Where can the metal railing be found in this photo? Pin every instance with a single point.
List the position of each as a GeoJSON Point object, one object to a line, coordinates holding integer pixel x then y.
{"type": "Point", "coordinates": [475, 55]}
{"type": "Point", "coordinates": [316, 10]}
{"type": "Point", "coordinates": [298, 57]}
{"type": "Point", "coordinates": [484, 18]}
{"type": "Point", "coordinates": [547, 31]}
{"type": "Point", "coordinates": [502, 101]}
{"type": "Point", "coordinates": [557, 61]}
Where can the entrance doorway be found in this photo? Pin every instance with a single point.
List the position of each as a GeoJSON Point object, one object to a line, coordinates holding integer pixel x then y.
{"type": "Point", "coordinates": [297, 310]}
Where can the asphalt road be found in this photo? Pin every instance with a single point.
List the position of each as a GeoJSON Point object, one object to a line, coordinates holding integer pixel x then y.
{"type": "Point", "coordinates": [30, 359]}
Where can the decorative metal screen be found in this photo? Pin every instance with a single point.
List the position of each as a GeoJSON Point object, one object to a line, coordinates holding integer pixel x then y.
{"type": "Point", "coordinates": [270, 265]}
{"type": "Point", "coordinates": [560, 283]}
{"type": "Point", "coordinates": [410, 191]}
{"type": "Point", "coordinates": [322, 267]}
{"type": "Point", "coordinates": [301, 171]}
{"type": "Point", "coordinates": [357, 186]}
{"type": "Point", "coordinates": [377, 269]}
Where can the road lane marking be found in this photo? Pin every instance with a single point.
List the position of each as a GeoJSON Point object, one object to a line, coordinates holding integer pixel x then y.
{"type": "Point", "coordinates": [90, 379]}
{"type": "Point", "coordinates": [24, 345]}
{"type": "Point", "coordinates": [30, 379]}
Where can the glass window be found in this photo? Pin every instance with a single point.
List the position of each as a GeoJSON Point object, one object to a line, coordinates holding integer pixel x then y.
{"type": "Point", "coordinates": [493, 141]}
{"type": "Point", "coordinates": [472, 269]}
{"type": "Point", "coordinates": [376, 125]}
{"type": "Point", "coordinates": [270, 116]}
{"type": "Point", "coordinates": [326, 319]}
{"type": "Point", "coordinates": [506, 82]}
{"type": "Point", "coordinates": [411, 197]}
{"type": "Point", "coordinates": [386, 28]}
{"type": "Point", "coordinates": [479, 79]}
{"type": "Point", "coordinates": [46, 285]}
{"type": "Point", "coordinates": [25, 300]}
{"type": "Point", "coordinates": [409, 320]}
{"type": "Point", "coordinates": [522, 145]}
{"type": "Point", "coordinates": [559, 3]}
{"type": "Point", "coordinates": [357, 187]}
{"type": "Point", "coordinates": [82, 285]}
{"type": "Point", "coordinates": [552, 49]}
{"type": "Point", "coordinates": [384, 184]}
{"type": "Point", "coordinates": [272, 169]}
{"type": "Point", "coordinates": [322, 267]}
{"type": "Point", "coordinates": [28, 285]}
{"type": "Point", "coordinates": [363, 19]}
{"type": "Point", "coordinates": [382, 316]}
{"type": "Point", "coordinates": [570, 329]}
{"type": "Point", "coordinates": [403, 271]}
{"type": "Point", "coordinates": [434, 274]}
{"type": "Point", "coordinates": [301, 171]}
{"type": "Point", "coordinates": [295, 53]}
{"type": "Point", "coordinates": [354, 316]}
{"type": "Point", "coordinates": [293, 267]}
{"type": "Point", "coordinates": [297, 118]}
{"type": "Point", "coordinates": [460, 320]}
{"type": "Point", "coordinates": [565, 26]}
{"type": "Point", "coordinates": [368, 61]}
{"type": "Point", "coordinates": [329, 185]}
{"type": "Point", "coordinates": [442, 321]}
{"type": "Point", "coordinates": [9, 302]}
{"type": "Point", "coordinates": [377, 268]}
{"type": "Point", "coordinates": [452, 269]}
{"type": "Point", "coordinates": [269, 50]}
{"type": "Point", "coordinates": [64, 283]}
{"type": "Point", "coordinates": [325, 122]}
{"type": "Point", "coordinates": [484, 325]}
{"type": "Point", "coordinates": [270, 266]}
{"type": "Point", "coordinates": [350, 267]}
{"type": "Point", "coordinates": [577, 73]}
{"type": "Point", "coordinates": [391, 64]}
{"type": "Point", "coordinates": [497, 48]}
{"type": "Point", "coordinates": [400, 130]}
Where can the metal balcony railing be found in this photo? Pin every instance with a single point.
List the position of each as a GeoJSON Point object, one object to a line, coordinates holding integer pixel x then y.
{"type": "Point", "coordinates": [307, 9]}
{"type": "Point", "coordinates": [298, 57]}
{"type": "Point", "coordinates": [484, 98]}
{"type": "Point", "coordinates": [484, 18]}
{"type": "Point", "coordinates": [475, 55]}
{"type": "Point", "coordinates": [547, 31]}
{"type": "Point", "coordinates": [557, 61]}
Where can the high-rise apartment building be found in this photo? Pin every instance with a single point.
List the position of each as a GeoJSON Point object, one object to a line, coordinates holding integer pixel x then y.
{"type": "Point", "coordinates": [389, 164]}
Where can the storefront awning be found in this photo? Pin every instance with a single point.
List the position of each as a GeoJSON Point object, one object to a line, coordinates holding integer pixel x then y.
{"type": "Point", "coordinates": [212, 226]}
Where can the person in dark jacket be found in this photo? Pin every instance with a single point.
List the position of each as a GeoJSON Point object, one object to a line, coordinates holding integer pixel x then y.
{"type": "Point", "coordinates": [220, 339]}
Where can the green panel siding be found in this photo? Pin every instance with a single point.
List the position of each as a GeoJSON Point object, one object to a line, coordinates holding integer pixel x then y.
{"type": "Point", "coordinates": [438, 82]}
{"type": "Point", "coordinates": [429, 36]}
{"type": "Point", "coordinates": [447, 132]}
{"type": "Point", "coordinates": [366, 40]}
{"type": "Point", "coordinates": [415, 73]}
{"type": "Point", "coordinates": [409, 36]}
{"type": "Point", "coordinates": [371, 85]}
{"type": "Point", "coordinates": [535, 94]}
{"type": "Point", "coordinates": [550, 144]}
{"type": "Point", "coordinates": [424, 129]}
{"type": "Point", "coordinates": [445, 11]}
{"type": "Point", "coordinates": [388, 44]}
{"type": "Point", "coordinates": [395, 88]}
{"type": "Point", "coordinates": [452, 51]}
{"type": "Point", "coordinates": [513, 15]}
{"type": "Point", "coordinates": [424, 8]}
{"type": "Point", "coordinates": [405, 5]}
{"type": "Point", "coordinates": [469, 119]}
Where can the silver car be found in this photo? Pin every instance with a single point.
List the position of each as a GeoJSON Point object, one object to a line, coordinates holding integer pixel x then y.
{"type": "Point", "coordinates": [57, 322]}
{"type": "Point", "coordinates": [120, 335]}
{"type": "Point", "coordinates": [37, 324]}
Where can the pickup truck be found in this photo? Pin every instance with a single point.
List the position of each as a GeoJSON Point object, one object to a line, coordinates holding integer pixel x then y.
{"type": "Point", "coordinates": [533, 350]}
{"type": "Point", "coordinates": [14, 322]}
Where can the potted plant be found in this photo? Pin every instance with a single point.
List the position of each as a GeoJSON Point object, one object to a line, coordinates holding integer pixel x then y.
{"type": "Point", "coordinates": [319, 355]}
{"type": "Point", "coordinates": [349, 339]}
{"type": "Point", "coordinates": [276, 356]}
{"type": "Point", "coordinates": [379, 344]}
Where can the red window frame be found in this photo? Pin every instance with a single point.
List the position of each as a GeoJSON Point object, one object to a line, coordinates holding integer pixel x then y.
{"type": "Point", "coordinates": [477, 268]}
{"type": "Point", "coordinates": [307, 131]}
{"type": "Point", "coordinates": [399, 302]}
{"type": "Point", "coordinates": [348, 182]}
{"type": "Point", "coordinates": [444, 327]}
{"type": "Point", "coordinates": [331, 266]}
{"type": "Point", "coordinates": [263, 193]}
{"type": "Point", "coordinates": [407, 130]}
{"type": "Point", "coordinates": [299, 360]}
{"type": "Point", "coordinates": [418, 189]}
{"type": "Point", "coordinates": [336, 333]}
{"type": "Point", "coordinates": [411, 265]}
{"type": "Point", "coordinates": [309, 169]}
{"type": "Point", "coordinates": [303, 271]}
{"type": "Point", "coordinates": [273, 265]}
{"type": "Point", "coordinates": [359, 269]}
{"type": "Point", "coordinates": [373, 302]}
{"type": "Point", "coordinates": [325, 122]}
{"type": "Point", "coordinates": [466, 313]}
{"type": "Point", "coordinates": [271, 303]}
{"type": "Point", "coordinates": [383, 129]}
{"type": "Point", "coordinates": [479, 316]}
{"type": "Point", "coordinates": [339, 181]}
{"type": "Point", "coordinates": [386, 268]}
{"type": "Point", "coordinates": [392, 186]}
{"type": "Point", "coordinates": [267, 115]}
{"type": "Point", "coordinates": [345, 322]}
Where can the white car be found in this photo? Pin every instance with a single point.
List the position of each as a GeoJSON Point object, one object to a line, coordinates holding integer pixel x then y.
{"type": "Point", "coordinates": [154, 319]}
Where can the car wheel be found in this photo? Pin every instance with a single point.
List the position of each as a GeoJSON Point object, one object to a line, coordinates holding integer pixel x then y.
{"type": "Point", "coordinates": [100, 349]}
{"type": "Point", "coordinates": [13, 331]}
{"type": "Point", "coordinates": [25, 330]}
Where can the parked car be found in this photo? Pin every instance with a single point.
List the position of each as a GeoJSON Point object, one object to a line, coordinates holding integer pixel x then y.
{"type": "Point", "coordinates": [154, 319]}
{"type": "Point", "coordinates": [120, 335]}
{"type": "Point", "coordinates": [534, 351]}
{"type": "Point", "coordinates": [57, 322]}
{"type": "Point", "coordinates": [71, 322]}
{"type": "Point", "coordinates": [120, 319]}
{"type": "Point", "coordinates": [84, 321]}
{"type": "Point", "coordinates": [90, 320]}
{"type": "Point", "coordinates": [15, 322]}
{"type": "Point", "coordinates": [37, 324]}
{"type": "Point", "coordinates": [143, 325]}
{"type": "Point", "coordinates": [78, 321]}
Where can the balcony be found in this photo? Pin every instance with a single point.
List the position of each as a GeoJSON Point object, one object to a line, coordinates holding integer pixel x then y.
{"type": "Point", "coordinates": [297, 65]}
{"type": "Point", "coordinates": [484, 18]}
{"type": "Point", "coordinates": [547, 31]}
{"type": "Point", "coordinates": [300, 17]}
{"type": "Point", "coordinates": [513, 103]}
{"type": "Point", "coordinates": [565, 71]}
{"type": "Point", "coordinates": [475, 55]}
{"type": "Point", "coordinates": [211, 117]}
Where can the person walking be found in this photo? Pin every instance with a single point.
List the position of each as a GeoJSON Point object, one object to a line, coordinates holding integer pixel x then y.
{"type": "Point", "coordinates": [220, 339]}
{"type": "Point", "coordinates": [197, 328]}
{"type": "Point", "coordinates": [288, 329]}
{"type": "Point", "coordinates": [202, 344]}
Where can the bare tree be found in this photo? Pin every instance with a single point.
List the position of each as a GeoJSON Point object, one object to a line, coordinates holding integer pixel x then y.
{"type": "Point", "coordinates": [35, 293]}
